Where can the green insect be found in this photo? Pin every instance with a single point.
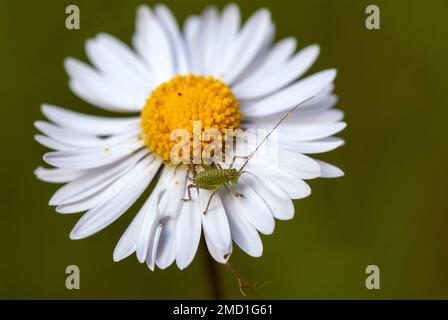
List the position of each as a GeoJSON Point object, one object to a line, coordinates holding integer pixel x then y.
{"type": "Point", "coordinates": [214, 177]}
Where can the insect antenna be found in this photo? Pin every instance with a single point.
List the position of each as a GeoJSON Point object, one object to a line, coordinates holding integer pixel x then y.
{"type": "Point", "coordinates": [272, 130]}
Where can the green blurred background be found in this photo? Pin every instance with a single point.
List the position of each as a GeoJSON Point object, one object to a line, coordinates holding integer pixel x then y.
{"type": "Point", "coordinates": [390, 209]}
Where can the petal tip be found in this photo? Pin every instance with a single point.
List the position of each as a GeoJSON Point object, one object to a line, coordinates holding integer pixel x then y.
{"type": "Point", "coordinates": [117, 255]}
{"type": "Point", "coordinates": [74, 235]}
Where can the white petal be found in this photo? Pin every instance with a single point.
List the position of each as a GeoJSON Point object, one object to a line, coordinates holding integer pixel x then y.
{"type": "Point", "coordinates": [82, 205]}
{"type": "Point", "coordinates": [67, 136]}
{"type": "Point", "coordinates": [192, 33]}
{"type": "Point", "coordinates": [208, 39]}
{"type": "Point", "coordinates": [152, 43]}
{"type": "Point", "coordinates": [224, 40]}
{"type": "Point", "coordinates": [326, 116]}
{"type": "Point", "coordinates": [101, 216]}
{"type": "Point", "coordinates": [70, 140]}
{"type": "Point", "coordinates": [290, 96]}
{"type": "Point", "coordinates": [92, 157]}
{"type": "Point", "coordinates": [216, 227]}
{"type": "Point", "coordinates": [50, 143]}
{"type": "Point", "coordinates": [295, 188]}
{"type": "Point", "coordinates": [188, 232]}
{"type": "Point", "coordinates": [114, 59]}
{"type": "Point", "coordinates": [95, 181]}
{"type": "Point", "coordinates": [89, 124]}
{"type": "Point", "coordinates": [260, 56]}
{"type": "Point", "coordinates": [247, 45]}
{"type": "Point", "coordinates": [105, 194]}
{"type": "Point", "coordinates": [128, 241]}
{"type": "Point", "coordinates": [58, 175]}
{"type": "Point", "coordinates": [66, 139]}
{"type": "Point", "coordinates": [282, 76]}
{"type": "Point", "coordinates": [117, 71]}
{"type": "Point", "coordinates": [171, 200]}
{"type": "Point", "coordinates": [275, 198]}
{"type": "Point", "coordinates": [98, 90]}
{"type": "Point", "coordinates": [152, 251]}
{"type": "Point", "coordinates": [322, 101]}
{"type": "Point", "coordinates": [277, 56]}
{"type": "Point", "coordinates": [149, 214]}
{"type": "Point", "coordinates": [169, 23]}
{"type": "Point", "coordinates": [307, 110]}
{"type": "Point", "coordinates": [308, 132]}
{"type": "Point", "coordinates": [243, 233]}
{"type": "Point", "coordinates": [219, 254]}
{"type": "Point", "coordinates": [145, 242]}
{"type": "Point", "coordinates": [319, 104]}
{"type": "Point", "coordinates": [272, 157]}
{"type": "Point", "coordinates": [256, 211]}
{"type": "Point", "coordinates": [329, 170]}
{"type": "Point", "coordinates": [312, 147]}
{"type": "Point", "coordinates": [165, 248]}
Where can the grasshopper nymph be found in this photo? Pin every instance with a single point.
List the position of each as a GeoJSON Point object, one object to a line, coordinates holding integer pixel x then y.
{"type": "Point", "coordinates": [214, 177]}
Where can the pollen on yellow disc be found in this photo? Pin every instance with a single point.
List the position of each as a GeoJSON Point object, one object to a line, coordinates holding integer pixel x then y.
{"type": "Point", "coordinates": [181, 101]}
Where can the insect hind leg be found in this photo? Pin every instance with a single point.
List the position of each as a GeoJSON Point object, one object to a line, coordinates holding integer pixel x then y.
{"type": "Point", "coordinates": [189, 191]}
{"type": "Point", "coordinates": [210, 200]}
{"type": "Point", "coordinates": [235, 193]}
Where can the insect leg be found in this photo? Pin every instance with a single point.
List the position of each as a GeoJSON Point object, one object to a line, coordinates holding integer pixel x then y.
{"type": "Point", "coordinates": [210, 200]}
{"type": "Point", "coordinates": [177, 167]}
{"type": "Point", "coordinates": [189, 191]}
{"type": "Point", "coordinates": [236, 194]}
{"type": "Point", "coordinates": [242, 283]}
{"type": "Point", "coordinates": [188, 173]}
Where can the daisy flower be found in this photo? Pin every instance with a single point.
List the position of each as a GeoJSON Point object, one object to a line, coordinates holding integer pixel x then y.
{"type": "Point", "coordinates": [217, 70]}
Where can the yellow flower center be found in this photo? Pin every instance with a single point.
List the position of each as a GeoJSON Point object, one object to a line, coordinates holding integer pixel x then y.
{"type": "Point", "coordinates": [181, 101]}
